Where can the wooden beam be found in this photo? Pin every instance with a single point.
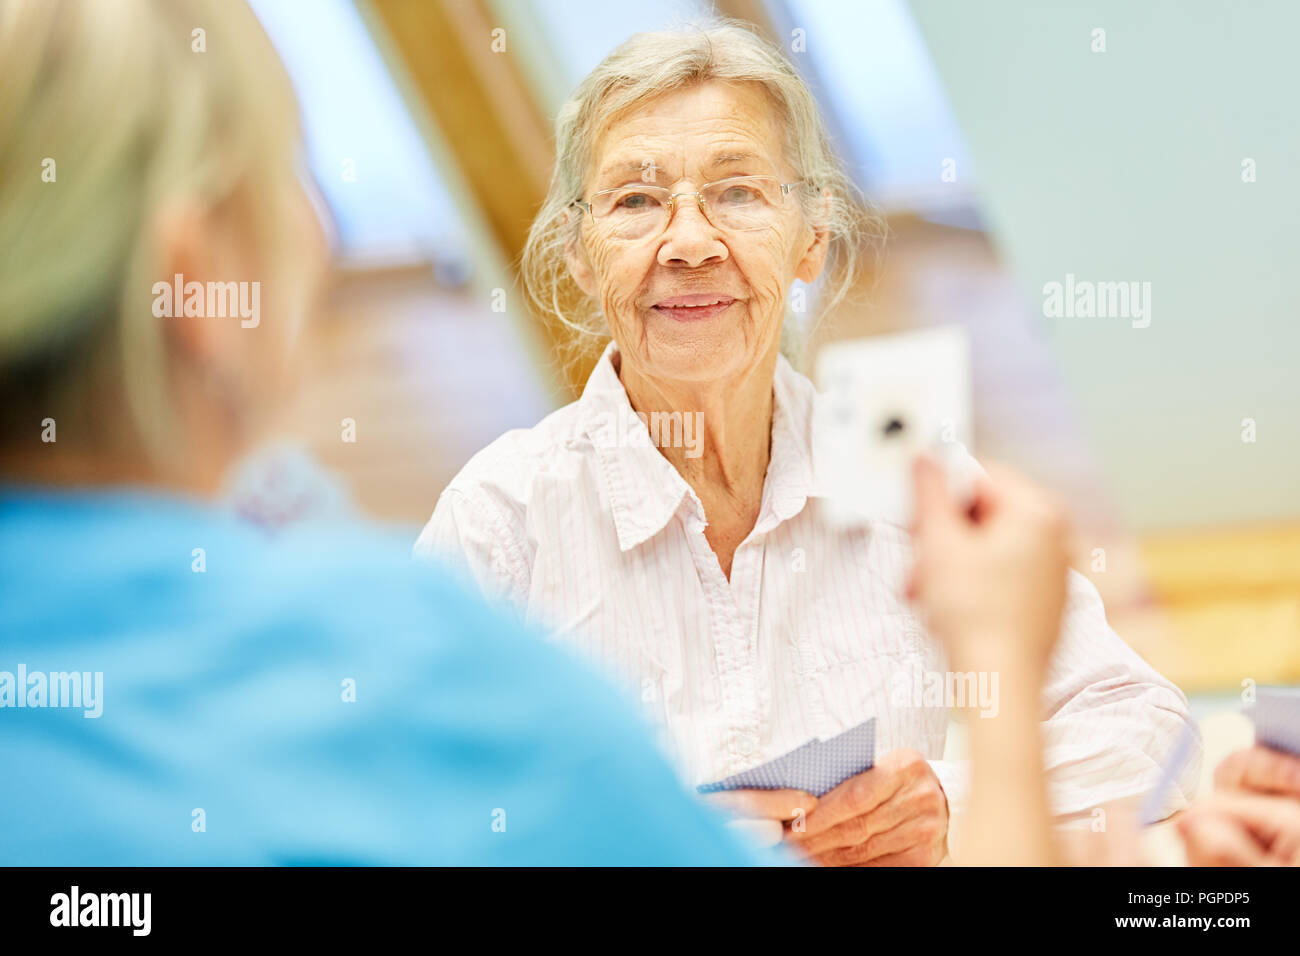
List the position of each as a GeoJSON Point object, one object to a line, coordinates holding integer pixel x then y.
{"type": "Point", "coordinates": [459, 62]}
{"type": "Point", "coordinates": [775, 20]}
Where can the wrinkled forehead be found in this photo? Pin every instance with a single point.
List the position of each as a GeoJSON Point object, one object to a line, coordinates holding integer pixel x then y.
{"type": "Point", "coordinates": [705, 131]}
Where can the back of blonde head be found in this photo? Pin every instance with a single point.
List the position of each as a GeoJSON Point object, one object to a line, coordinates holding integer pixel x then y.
{"type": "Point", "coordinates": [109, 110]}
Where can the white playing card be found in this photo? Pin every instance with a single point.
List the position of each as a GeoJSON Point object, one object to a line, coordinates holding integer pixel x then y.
{"type": "Point", "coordinates": [886, 399]}
{"type": "Point", "coordinates": [1277, 718]}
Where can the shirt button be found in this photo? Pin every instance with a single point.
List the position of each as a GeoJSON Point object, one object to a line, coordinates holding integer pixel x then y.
{"type": "Point", "coordinates": [746, 744]}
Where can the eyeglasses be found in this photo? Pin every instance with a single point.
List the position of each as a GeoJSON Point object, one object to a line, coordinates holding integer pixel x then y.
{"type": "Point", "coordinates": [639, 211]}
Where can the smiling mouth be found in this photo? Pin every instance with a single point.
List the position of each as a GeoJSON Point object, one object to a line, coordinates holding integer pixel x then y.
{"type": "Point", "coordinates": [693, 308]}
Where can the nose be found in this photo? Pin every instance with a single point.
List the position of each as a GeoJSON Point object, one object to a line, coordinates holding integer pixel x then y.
{"type": "Point", "coordinates": [690, 239]}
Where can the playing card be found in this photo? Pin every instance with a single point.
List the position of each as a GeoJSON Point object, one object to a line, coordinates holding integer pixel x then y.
{"type": "Point", "coordinates": [1154, 808]}
{"type": "Point", "coordinates": [1277, 718]}
{"type": "Point", "coordinates": [817, 767]}
{"type": "Point", "coordinates": [885, 400]}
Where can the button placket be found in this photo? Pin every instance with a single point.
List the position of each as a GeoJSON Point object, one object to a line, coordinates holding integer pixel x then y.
{"type": "Point", "coordinates": [729, 661]}
{"type": "Point", "coordinates": [742, 593]}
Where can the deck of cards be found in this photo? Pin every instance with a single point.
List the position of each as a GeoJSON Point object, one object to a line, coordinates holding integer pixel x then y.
{"type": "Point", "coordinates": [817, 767]}
{"type": "Point", "coordinates": [1277, 718]}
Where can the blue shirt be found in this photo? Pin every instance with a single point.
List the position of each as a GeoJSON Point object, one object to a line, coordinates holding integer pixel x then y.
{"type": "Point", "coordinates": [227, 736]}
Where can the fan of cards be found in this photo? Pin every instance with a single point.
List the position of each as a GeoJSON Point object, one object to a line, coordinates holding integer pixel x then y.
{"type": "Point", "coordinates": [817, 767]}
{"type": "Point", "coordinates": [1277, 718]}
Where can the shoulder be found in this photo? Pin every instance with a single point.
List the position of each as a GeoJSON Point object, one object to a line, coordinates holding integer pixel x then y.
{"type": "Point", "coordinates": [287, 659]}
{"type": "Point", "coordinates": [501, 481]}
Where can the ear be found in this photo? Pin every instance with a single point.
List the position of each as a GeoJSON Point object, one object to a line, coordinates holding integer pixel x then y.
{"type": "Point", "coordinates": [180, 230]}
{"type": "Point", "coordinates": [814, 256]}
{"type": "Point", "coordinates": [575, 256]}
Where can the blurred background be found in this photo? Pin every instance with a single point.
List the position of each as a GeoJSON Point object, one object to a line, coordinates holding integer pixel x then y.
{"type": "Point", "coordinates": [1009, 146]}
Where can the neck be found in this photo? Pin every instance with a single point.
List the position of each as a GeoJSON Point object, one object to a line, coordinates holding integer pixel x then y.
{"type": "Point", "coordinates": [101, 451]}
{"type": "Point", "coordinates": [729, 455]}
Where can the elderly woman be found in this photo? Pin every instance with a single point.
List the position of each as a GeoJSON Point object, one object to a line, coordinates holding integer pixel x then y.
{"type": "Point", "coordinates": [693, 185]}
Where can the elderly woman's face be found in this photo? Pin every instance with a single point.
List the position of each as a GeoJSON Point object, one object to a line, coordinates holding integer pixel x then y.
{"type": "Point", "coordinates": [646, 286]}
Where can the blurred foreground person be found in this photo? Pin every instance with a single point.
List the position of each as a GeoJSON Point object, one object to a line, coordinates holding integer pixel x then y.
{"type": "Point", "coordinates": [177, 687]}
{"type": "Point", "coordinates": [990, 577]}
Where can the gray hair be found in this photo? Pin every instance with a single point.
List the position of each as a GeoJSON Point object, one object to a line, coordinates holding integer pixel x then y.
{"type": "Point", "coordinates": [644, 67]}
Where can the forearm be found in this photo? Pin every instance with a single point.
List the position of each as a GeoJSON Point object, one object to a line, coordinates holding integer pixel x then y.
{"type": "Point", "coordinates": [1008, 821]}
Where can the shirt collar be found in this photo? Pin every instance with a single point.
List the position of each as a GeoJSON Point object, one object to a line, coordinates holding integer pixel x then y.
{"type": "Point", "coordinates": [791, 478]}
{"type": "Point", "coordinates": [794, 473]}
{"type": "Point", "coordinates": [646, 491]}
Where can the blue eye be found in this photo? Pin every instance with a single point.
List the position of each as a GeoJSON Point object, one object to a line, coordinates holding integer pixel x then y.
{"type": "Point", "coordinates": [635, 202]}
{"type": "Point", "coordinates": [739, 195]}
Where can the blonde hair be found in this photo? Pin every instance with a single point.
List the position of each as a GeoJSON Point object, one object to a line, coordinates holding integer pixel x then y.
{"type": "Point", "coordinates": [646, 66]}
{"type": "Point", "coordinates": [133, 107]}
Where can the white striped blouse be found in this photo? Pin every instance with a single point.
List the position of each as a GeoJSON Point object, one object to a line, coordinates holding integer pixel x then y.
{"type": "Point", "coordinates": [586, 529]}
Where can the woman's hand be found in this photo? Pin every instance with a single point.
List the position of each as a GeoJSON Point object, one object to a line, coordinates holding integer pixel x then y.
{"type": "Point", "coordinates": [1253, 818]}
{"type": "Point", "coordinates": [1260, 770]}
{"type": "Point", "coordinates": [991, 575]}
{"type": "Point", "coordinates": [895, 814]}
{"type": "Point", "coordinates": [1233, 828]}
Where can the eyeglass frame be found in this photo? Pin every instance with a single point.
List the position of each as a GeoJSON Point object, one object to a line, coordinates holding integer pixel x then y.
{"type": "Point", "coordinates": [698, 194]}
